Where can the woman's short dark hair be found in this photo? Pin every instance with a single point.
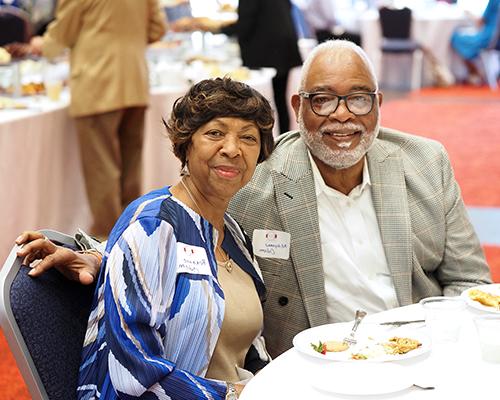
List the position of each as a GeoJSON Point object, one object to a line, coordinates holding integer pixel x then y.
{"type": "Point", "coordinates": [216, 98]}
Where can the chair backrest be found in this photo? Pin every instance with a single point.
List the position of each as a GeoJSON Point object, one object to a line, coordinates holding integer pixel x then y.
{"type": "Point", "coordinates": [44, 321]}
{"type": "Point", "coordinates": [395, 22]}
{"type": "Point", "coordinates": [15, 25]}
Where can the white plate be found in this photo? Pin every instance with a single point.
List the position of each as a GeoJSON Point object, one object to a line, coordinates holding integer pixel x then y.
{"type": "Point", "coordinates": [369, 337]}
{"type": "Point", "coordinates": [493, 288]}
{"type": "Point", "coordinates": [362, 378]}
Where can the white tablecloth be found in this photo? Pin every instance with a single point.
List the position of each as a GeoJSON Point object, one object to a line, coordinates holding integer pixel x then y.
{"type": "Point", "coordinates": [41, 180]}
{"type": "Point", "coordinates": [456, 370]}
{"type": "Point", "coordinates": [431, 27]}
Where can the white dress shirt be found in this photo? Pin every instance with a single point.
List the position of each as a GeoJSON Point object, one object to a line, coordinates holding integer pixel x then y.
{"type": "Point", "coordinates": [356, 272]}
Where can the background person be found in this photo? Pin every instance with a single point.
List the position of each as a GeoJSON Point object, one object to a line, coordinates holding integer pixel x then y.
{"type": "Point", "coordinates": [109, 93]}
{"type": "Point", "coordinates": [323, 18]}
{"type": "Point", "coordinates": [468, 42]}
{"type": "Point", "coordinates": [267, 38]}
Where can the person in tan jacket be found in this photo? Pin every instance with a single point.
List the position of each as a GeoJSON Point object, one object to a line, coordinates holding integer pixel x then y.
{"type": "Point", "coordinates": [109, 93]}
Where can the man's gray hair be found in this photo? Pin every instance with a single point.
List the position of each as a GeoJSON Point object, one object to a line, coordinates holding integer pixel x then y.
{"type": "Point", "coordinates": [333, 46]}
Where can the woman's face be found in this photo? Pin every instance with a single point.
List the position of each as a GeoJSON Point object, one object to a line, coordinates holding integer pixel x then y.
{"type": "Point", "coordinates": [223, 155]}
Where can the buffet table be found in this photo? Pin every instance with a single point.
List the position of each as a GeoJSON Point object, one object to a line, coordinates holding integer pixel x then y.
{"type": "Point", "coordinates": [40, 173]}
{"type": "Point", "coordinates": [455, 370]}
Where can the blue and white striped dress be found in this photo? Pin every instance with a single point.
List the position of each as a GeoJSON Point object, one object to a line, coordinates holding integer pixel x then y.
{"type": "Point", "coordinates": [153, 326]}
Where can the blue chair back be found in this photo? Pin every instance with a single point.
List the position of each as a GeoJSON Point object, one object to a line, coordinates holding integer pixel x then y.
{"type": "Point", "coordinates": [44, 320]}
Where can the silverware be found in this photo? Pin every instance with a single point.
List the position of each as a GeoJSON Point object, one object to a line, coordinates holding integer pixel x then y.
{"type": "Point", "coordinates": [350, 339]}
{"type": "Point", "coordinates": [424, 387]}
{"type": "Point", "coordinates": [399, 323]}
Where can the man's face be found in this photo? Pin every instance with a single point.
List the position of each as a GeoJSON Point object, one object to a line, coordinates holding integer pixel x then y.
{"type": "Point", "coordinates": [342, 138]}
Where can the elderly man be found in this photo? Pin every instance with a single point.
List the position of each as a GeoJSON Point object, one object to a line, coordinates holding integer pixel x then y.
{"type": "Point", "coordinates": [373, 218]}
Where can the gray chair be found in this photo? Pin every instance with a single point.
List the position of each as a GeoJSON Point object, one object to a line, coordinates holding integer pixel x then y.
{"type": "Point", "coordinates": [44, 320]}
{"type": "Point", "coordinates": [395, 24]}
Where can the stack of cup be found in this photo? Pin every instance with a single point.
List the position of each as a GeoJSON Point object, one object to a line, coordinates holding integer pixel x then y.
{"type": "Point", "coordinates": [444, 316]}
{"type": "Point", "coordinates": [488, 330]}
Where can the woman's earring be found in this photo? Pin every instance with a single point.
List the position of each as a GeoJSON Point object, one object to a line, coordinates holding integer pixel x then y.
{"type": "Point", "coordinates": [185, 170]}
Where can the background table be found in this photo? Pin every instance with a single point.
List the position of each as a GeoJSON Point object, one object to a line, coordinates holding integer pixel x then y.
{"type": "Point", "coordinates": [456, 370]}
{"type": "Point", "coordinates": [41, 179]}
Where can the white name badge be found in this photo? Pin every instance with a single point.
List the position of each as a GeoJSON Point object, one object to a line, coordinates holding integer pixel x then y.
{"type": "Point", "coordinates": [192, 260]}
{"type": "Point", "coordinates": [271, 244]}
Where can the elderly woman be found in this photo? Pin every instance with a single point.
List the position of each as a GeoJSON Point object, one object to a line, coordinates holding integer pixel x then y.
{"type": "Point", "coordinates": [177, 310]}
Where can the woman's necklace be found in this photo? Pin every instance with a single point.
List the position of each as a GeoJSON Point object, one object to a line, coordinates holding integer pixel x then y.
{"type": "Point", "coordinates": [226, 261]}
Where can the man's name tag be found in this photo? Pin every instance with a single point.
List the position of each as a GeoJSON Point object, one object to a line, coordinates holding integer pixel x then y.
{"type": "Point", "coordinates": [192, 260]}
{"type": "Point", "coordinates": [271, 244]}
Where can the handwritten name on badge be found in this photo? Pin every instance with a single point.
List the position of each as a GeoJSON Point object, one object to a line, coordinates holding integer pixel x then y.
{"type": "Point", "coordinates": [192, 260]}
{"type": "Point", "coordinates": [271, 244]}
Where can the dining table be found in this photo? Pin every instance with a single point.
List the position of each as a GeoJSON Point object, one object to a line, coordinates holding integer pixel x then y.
{"type": "Point", "coordinates": [449, 370]}
{"type": "Point", "coordinates": [41, 179]}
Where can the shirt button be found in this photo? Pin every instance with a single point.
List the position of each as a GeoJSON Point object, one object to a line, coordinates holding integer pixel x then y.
{"type": "Point", "coordinates": [283, 301]}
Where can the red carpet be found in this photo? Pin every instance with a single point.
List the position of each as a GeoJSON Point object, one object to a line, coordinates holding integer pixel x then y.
{"type": "Point", "coordinates": [468, 125]}
{"type": "Point", "coordinates": [11, 384]}
{"type": "Point", "coordinates": [465, 120]}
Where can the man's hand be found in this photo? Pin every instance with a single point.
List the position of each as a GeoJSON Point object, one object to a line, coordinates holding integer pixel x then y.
{"type": "Point", "coordinates": [80, 267]}
{"type": "Point", "coordinates": [36, 45]}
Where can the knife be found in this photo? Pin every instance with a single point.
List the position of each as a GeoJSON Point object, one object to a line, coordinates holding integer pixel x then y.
{"type": "Point", "coordinates": [399, 323]}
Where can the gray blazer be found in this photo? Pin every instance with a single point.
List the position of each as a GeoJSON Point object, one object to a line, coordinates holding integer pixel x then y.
{"type": "Point", "coordinates": [430, 244]}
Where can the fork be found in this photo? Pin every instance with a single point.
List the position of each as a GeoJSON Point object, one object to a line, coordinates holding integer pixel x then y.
{"type": "Point", "coordinates": [350, 339]}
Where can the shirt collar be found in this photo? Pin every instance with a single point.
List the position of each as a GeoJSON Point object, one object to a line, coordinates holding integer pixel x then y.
{"type": "Point", "coordinates": [321, 186]}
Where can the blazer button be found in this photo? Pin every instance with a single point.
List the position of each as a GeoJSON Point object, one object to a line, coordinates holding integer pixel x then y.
{"type": "Point", "coordinates": [283, 301]}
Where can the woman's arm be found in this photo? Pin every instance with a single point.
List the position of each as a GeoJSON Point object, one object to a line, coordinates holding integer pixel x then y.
{"type": "Point", "coordinates": [141, 298]}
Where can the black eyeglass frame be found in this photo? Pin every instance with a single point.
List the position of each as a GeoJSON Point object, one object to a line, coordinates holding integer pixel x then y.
{"type": "Point", "coordinates": [310, 97]}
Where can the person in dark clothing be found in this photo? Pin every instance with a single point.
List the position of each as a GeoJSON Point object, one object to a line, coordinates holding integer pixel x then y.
{"type": "Point", "coordinates": [267, 38]}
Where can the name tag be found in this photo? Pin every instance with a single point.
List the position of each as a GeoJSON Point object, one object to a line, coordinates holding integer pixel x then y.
{"type": "Point", "coordinates": [271, 244]}
{"type": "Point", "coordinates": [192, 260]}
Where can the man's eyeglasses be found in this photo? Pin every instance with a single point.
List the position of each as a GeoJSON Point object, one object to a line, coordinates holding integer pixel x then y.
{"type": "Point", "coordinates": [323, 103]}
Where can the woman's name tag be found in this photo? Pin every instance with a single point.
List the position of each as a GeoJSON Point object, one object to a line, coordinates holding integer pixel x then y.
{"type": "Point", "coordinates": [192, 260]}
{"type": "Point", "coordinates": [271, 244]}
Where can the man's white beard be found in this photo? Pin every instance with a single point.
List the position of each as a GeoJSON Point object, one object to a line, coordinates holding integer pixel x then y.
{"type": "Point", "coordinates": [338, 158]}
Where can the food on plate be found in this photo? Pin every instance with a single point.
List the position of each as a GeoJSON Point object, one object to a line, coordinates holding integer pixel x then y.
{"type": "Point", "coordinates": [359, 356]}
{"type": "Point", "coordinates": [400, 345]}
{"type": "Point", "coordinates": [369, 349]}
{"type": "Point", "coordinates": [226, 7]}
{"type": "Point", "coordinates": [5, 56]}
{"type": "Point", "coordinates": [8, 103]}
{"type": "Point", "coordinates": [32, 88]}
{"type": "Point", "coordinates": [485, 298]}
{"type": "Point", "coordinates": [332, 346]}
{"type": "Point", "coordinates": [336, 346]}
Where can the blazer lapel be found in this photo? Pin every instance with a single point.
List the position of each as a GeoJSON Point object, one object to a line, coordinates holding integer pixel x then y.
{"type": "Point", "coordinates": [297, 208]}
{"type": "Point", "coordinates": [391, 206]}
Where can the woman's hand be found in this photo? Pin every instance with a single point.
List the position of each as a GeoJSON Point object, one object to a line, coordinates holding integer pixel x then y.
{"type": "Point", "coordinates": [80, 267]}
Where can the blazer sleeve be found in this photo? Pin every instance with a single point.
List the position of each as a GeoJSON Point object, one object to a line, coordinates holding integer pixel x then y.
{"type": "Point", "coordinates": [140, 280]}
{"type": "Point", "coordinates": [157, 24]}
{"type": "Point", "coordinates": [463, 263]}
{"type": "Point", "coordinates": [64, 30]}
